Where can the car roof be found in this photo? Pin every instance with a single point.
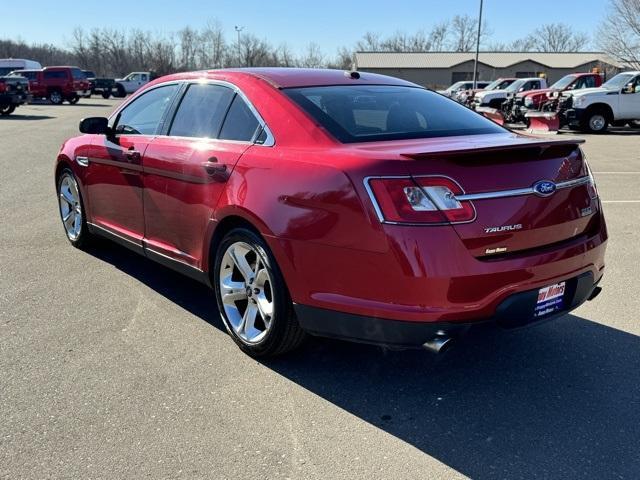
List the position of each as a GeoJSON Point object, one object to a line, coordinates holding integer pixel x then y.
{"type": "Point", "coordinates": [283, 77]}
{"type": "Point", "coordinates": [60, 67]}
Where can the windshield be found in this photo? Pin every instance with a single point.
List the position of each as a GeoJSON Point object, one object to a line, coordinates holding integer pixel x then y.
{"type": "Point", "coordinates": [515, 86]}
{"type": "Point", "coordinates": [382, 112]}
{"type": "Point", "coordinates": [496, 84]}
{"type": "Point", "coordinates": [563, 83]}
{"type": "Point", "coordinates": [618, 81]}
{"type": "Point", "coordinates": [455, 87]}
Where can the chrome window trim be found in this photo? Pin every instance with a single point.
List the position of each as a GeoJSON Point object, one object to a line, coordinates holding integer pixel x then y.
{"type": "Point", "coordinates": [270, 141]}
{"type": "Point", "coordinates": [516, 192]}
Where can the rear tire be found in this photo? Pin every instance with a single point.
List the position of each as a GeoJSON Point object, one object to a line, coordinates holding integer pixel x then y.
{"type": "Point", "coordinates": [106, 94]}
{"type": "Point", "coordinates": [73, 100]}
{"type": "Point", "coordinates": [71, 208]}
{"type": "Point", "coordinates": [7, 109]}
{"type": "Point", "coordinates": [634, 124]}
{"type": "Point", "coordinates": [256, 309]}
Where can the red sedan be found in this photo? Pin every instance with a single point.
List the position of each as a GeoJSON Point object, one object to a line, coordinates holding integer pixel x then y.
{"type": "Point", "coordinates": [340, 204]}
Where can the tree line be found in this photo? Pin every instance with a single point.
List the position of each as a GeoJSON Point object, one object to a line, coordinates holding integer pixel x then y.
{"type": "Point", "coordinates": [114, 52]}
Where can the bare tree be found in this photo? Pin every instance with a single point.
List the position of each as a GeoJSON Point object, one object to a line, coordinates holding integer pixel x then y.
{"type": "Point", "coordinates": [189, 41]}
{"type": "Point", "coordinates": [212, 45]}
{"type": "Point", "coordinates": [557, 37]}
{"type": "Point", "coordinates": [619, 34]}
{"type": "Point", "coordinates": [313, 57]}
{"type": "Point", "coordinates": [464, 31]}
{"type": "Point", "coordinates": [438, 36]}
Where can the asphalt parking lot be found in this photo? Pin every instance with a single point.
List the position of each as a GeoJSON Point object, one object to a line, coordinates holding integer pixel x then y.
{"type": "Point", "coordinates": [114, 367]}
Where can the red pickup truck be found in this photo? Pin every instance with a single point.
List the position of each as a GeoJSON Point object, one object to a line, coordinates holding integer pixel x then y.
{"type": "Point", "coordinates": [533, 99]}
{"type": "Point", "coordinates": [57, 84]}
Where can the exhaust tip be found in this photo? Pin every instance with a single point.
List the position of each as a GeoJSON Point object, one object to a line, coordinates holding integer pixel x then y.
{"type": "Point", "coordinates": [438, 344]}
{"type": "Point", "coordinates": [594, 293]}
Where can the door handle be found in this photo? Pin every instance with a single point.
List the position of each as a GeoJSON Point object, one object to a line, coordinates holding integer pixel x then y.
{"type": "Point", "coordinates": [215, 169]}
{"type": "Point", "coordinates": [132, 154]}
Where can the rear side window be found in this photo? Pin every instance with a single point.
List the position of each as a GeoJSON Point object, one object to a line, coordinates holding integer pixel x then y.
{"type": "Point", "coordinates": [240, 124]}
{"type": "Point", "coordinates": [77, 74]}
{"type": "Point", "coordinates": [201, 111]}
{"type": "Point", "coordinates": [143, 115]}
{"type": "Point", "coordinates": [55, 74]}
{"type": "Point", "coordinates": [383, 112]}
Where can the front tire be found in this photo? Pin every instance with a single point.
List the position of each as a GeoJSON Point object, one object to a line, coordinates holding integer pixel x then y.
{"type": "Point", "coordinates": [73, 100]}
{"type": "Point", "coordinates": [634, 124]}
{"type": "Point", "coordinates": [7, 109]}
{"type": "Point", "coordinates": [120, 91]}
{"type": "Point", "coordinates": [106, 94]}
{"type": "Point", "coordinates": [71, 209]}
{"type": "Point", "coordinates": [55, 97]}
{"type": "Point", "coordinates": [252, 296]}
{"type": "Point", "coordinates": [595, 121]}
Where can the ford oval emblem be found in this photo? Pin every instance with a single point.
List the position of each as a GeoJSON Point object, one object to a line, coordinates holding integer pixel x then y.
{"type": "Point", "coordinates": [544, 188]}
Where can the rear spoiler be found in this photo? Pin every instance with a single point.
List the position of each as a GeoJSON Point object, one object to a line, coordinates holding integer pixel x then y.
{"type": "Point", "coordinates": [541, 147]}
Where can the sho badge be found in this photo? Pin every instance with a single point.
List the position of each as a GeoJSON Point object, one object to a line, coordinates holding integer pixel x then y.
{"type": "Point", "coordinates": [503, 228]}
{"type": "Point", "coordinates": [491, 251]}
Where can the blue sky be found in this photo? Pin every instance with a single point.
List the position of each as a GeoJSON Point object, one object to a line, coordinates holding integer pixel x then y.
{"type": "Point", "coordinates": [330, 23]}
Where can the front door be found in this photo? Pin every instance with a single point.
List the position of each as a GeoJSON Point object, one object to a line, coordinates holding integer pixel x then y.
{"type": "Point", "coordinates": [114, 171]}
{"type": "Point", "coordinates": [186, 170]}
{"type": "Point", "coordinates": [630, 102]}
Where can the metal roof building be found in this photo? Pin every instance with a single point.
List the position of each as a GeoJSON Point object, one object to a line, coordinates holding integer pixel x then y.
{"type": "Point", "coordinates": [440, 69]}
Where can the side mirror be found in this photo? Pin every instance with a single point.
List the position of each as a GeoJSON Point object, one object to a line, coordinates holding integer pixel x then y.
{"type": "Point", "coordinates": [94, 125]}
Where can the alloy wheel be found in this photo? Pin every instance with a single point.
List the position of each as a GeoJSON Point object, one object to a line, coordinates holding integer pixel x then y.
{"type": "Point", "coordinates": [597, 122]}
{"type": "Point", "coordinates": [70, 207]}
{"type": "Point", "coordinates": [246, 289]}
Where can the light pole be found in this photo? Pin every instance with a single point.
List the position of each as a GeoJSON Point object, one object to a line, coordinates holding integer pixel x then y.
{"type": "Point", "coordinates": [238, 30]}
{"type": "Point", "coordinates": [475, 64]}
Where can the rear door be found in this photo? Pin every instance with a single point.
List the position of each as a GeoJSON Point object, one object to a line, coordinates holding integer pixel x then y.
{"type": "Point", "coordinates": [186, 170]}
{"type": "Point", "coordinates": [114, 170]}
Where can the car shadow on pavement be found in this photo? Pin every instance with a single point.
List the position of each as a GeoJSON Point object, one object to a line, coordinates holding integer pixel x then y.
{"type": "Point", "coordinates": [558, 400]}
{"type": "Point", "coordinates": [17, 116]}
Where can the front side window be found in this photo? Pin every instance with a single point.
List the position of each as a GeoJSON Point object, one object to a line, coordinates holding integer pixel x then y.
{"type": "Point", "coordinates": [383, 112]}
{"type": "Point", "coordinates": [240, 123]}
{"type": "Point", "coordinates": [144, 114]}
{"type": "Point", "coordinates": [201, 111]}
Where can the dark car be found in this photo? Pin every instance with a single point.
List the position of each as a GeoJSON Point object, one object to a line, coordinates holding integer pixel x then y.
{"type": "Point", "coordinates": [341, 204]}
{"type": "Point", "coordinates": [14, 91]}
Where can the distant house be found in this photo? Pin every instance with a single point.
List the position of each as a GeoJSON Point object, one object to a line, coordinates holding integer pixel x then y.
{"type": "Point", "coordinates": [441, 69]}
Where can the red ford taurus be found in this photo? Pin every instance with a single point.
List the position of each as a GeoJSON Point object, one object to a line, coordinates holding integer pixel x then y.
{"type": "Point", "coordinates": [340, 204]}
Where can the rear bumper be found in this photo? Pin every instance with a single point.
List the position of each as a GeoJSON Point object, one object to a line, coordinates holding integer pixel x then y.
{"type": "Point", "coordinates": [517, 310]}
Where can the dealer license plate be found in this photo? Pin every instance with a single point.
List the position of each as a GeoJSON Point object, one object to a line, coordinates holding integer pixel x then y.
{"type": "Point", "coordinates": [550, 299]}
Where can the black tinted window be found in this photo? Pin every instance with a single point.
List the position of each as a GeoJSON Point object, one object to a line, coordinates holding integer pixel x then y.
{"type": "Point", "coordinates": [77, 74]}
{"type": "Point", "coordinates": [201, 111]}
{"type": "Point", "coordinates": [57, 74]}
{"type": "Point", "coordinates": [371, 113]}
{"type": "Point", "coordinates": [143, 115]}
{"type": "Point", "coordinates": [240, 123]}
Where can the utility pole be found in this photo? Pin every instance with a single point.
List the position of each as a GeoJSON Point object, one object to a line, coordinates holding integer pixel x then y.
{"type": "Point", "coordinates": [475, 64]}
{"type": "Point", "coordinates": [238, 30]}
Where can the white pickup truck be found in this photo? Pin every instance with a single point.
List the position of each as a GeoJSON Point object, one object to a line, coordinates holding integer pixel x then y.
{"type": "Point", "coordinates": [616, 102]}
{"type": "Point", "coordinates": [495, 98]}
{"type": "Point", "coordinates": [132, 82]}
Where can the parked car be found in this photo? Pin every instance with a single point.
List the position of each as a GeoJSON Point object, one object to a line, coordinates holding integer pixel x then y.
{"type": "Point", "coordinates": [460, 87]}
{"type": "Point", "coordinates": [14, 91]}
{"type": "Point", "coordinates": [341, 204]}
{"type": "Point", "coordinates": [132, 82]}
{"type": "Point", "coordinates": [8, 65]}
{"type": "Point", "coordinates": [102, 86]}
{"type": "Point", "coordinates": [466, 97]}
{"type": "Point", "coordinates": [58, 84]}
{"type": "Point", "coordinates": [495, 98]}
{"type": "Point", "coordinates": [534, 99]}
{"type": "Point", "coordinates": [615, 102]}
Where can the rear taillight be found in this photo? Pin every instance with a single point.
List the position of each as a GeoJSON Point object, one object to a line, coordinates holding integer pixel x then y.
{"type": "Point", "coordinates": [591, 186]}
{"type": "Point", "coordinates": [419, 200]}
{"type": "Point", "coordinates": [2, 87]}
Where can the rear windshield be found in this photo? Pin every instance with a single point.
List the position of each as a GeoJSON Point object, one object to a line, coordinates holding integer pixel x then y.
{"type": "Point", "coordinates": [382, 112]}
